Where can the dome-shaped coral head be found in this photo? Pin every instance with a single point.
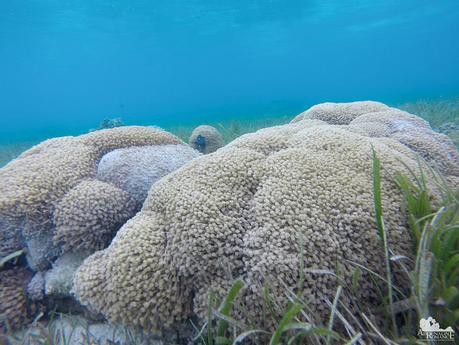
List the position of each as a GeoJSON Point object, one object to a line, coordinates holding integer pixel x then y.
{"type": "Point", "coordinates": [89, 215]}
{"type": "Point", "coordinates": [340, 113]}
{"type": "Point", "coordinates": [34, 183]}
{"type": "Point", "coordinates": [378, 120]}
{"type": "Point", "coordinates": [136, 169]}
{"type": "Point", "coordinates": [206, 139]}
{"type": "Point", "coordinates": [277, 208]}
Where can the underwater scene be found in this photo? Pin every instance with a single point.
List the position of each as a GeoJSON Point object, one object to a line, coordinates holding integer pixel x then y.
{"type": "Point", "coordinates": [229, 172]}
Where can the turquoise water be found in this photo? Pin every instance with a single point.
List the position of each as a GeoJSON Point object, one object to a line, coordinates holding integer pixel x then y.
{"type": "Point", "coordinates": [67, 64]}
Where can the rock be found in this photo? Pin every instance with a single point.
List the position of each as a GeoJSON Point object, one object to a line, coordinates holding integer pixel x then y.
{"type": "Point", "coordinates": [77, 330]}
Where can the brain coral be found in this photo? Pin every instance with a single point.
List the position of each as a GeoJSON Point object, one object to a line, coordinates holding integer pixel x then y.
{"type": "Point", "coordinates": [33, 183]}
{"type": "Point", "coordinates": [58, 280]}
{"type": "Point", "coordinates": [135, 169]}
{"type": "Point", "coordinates": [340, 113]}
{"type": "Point", "coordinates": [261, 208]}
{"type": "Point", "coordinates": [89, 215]}
{"type": "Point", "coordinates": [36, 287]}
{"type": "Point", "coordinates": [415, 133]}
{"type": "Point", "coordinates": [14, 305]}
{"type": "Point", "coordinates": [206, 139]}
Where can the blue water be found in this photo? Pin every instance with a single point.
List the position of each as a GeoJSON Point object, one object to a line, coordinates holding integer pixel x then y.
{"type": "Point", "coordinates": [67, 64]}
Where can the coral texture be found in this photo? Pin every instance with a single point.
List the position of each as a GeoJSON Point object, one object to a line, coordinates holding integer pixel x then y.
{"type": "Point", "coordinates": [206, 139]}
{"type": "Point", "coordinates": [377, 120]}
{"type": "Point", "coordinates": [135, 169]}
{"type": "Point", "coordinates": [14, 305]}
{"type": "Point", "coordinates": [36, 287]}
{"type": "Point", "coordinates": [59, 279]}
{"type": "Point", "coordinates": [10, 233]}
{"type": "Point", "coordinates": [89, 215]}
{"type": "Point", "coordinates": [37, 236]}
{"type": "Point", "coordinates": [415, 133]}
{"type": "Point", "coordinates": [33, 183]}
{"type": "Point", "coordinates": [262, 207]}
{"type": "Point", "coordinates": [340, 113]}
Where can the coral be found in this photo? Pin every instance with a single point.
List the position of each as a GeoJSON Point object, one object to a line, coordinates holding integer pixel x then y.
{"type": "Point", "coordinates": [59, 279]}
{"type": "Point", "coordinates": [394, 118]}
{"type": "Point", "coordinates": [415, 133]}
{"type": "Point", "coordinates": [89, 215]}
{"type": "Point", "coordinates": [10, 234]}
{"type": "Point", "coordinates": [206, 139]}
{"type": "Point", "coordinates": [36, 287]}
{"type": "Point", "coordinates": [106, 140]}
{"type": "Point", "coordinates": [340, 113]}
{"type": "Point", "coordinates": [260, 208]}
{"type": "Point", "coordinates": [135, 169]}
{"type": "Point", "coordinates": [33, 183]}
{"type": "Point", "coordinates": [378, 120]}
{"type": "Point", "coordinates": [14, 305]}
{"type": "Point", "coordinates": [37, 236]}
{"type": "Point", "coordinates": [435, 148]}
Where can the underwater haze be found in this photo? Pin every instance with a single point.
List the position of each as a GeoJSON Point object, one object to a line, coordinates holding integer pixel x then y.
{"type": "Point", "coordinates": [67, 64]}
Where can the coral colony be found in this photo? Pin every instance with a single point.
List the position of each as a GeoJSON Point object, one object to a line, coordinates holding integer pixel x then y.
{"type": "Point", "coordinates": [135, 225]}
